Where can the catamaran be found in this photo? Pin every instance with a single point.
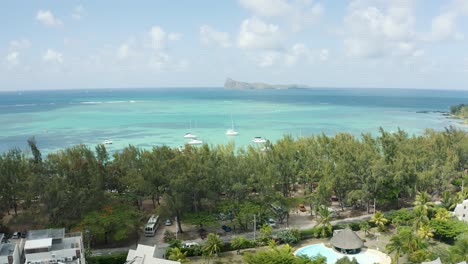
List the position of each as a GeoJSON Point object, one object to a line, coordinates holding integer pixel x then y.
{"type": "Point", "coordinates": [195, 142]}
{"type": "Point", "coordinates": [231, 131]}
{"type": "Point", "coordinates": [258, 140]}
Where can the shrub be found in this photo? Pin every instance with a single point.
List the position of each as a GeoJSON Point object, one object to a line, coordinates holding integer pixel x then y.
{"type": "Point", "coordinates": [117, 258]}
{"type": "Point", "coordinates": [355, 226]}
{"type": "Point", "coordinates": [307, 233]}
{"type": "Point", "coordinates": [169, 236]}
{"type": "Point", "coordinates": [400, 217]}
{"type": "Point", "coordinates": [289, 236]}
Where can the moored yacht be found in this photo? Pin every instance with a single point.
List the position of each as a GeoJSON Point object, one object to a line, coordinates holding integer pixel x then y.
{"type": "Point", "coordinates": [190, 135]}
{"type": "Point", "coordinates": [195, 142]}
{"type": "Point", "coordinates": [258, 140]}
{"type": "Point", "coordinates": [231, 131]}
{"type": "Point", "coordinates": [107, 142]}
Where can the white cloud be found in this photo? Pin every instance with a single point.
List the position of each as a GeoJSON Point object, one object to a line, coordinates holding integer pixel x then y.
{"type": "Point", "coordinates": [174, 36]}
{"type": "Point", "coordinates": [158, 38]}
{"type": "Point", "coordinates": [12, 58]}
{"type": "Point", "coordinates": [47, 18]}
{"type": "Point", "coordinates": [123, 51]}
{"type": "Point", "coordinates": [256, 34]}
{"type": "Point", "coordinates": [52, 56]}
{"type": "Point", "coordinates": [209, 36]}
{"type": "Point", "coordinates": [299, 13]}
{"type": "Point", "coordinates": [20, 44]}
{"type": "Point", "coordinates": [378, 31]}
{"type": "Point", "coordinates": [298, 52]}
{"type": "Point", "coordinates": [78, 12]}
{"type": "Point", "coordinates": [443, 26]}
{"type": "Point", "coordinates": [324, 54]}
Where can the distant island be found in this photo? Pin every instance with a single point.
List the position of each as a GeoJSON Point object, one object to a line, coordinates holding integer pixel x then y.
{"type": "Point", "coordinates": [233, 84]}
{"type": "Point", "coordinates": [460, 111]}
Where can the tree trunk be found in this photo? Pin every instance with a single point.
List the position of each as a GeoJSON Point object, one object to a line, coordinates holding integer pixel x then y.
{"type": "Point", "coordinates": [179, 226]}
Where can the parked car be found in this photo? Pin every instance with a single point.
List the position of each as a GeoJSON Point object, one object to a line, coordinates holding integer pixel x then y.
{"type": "Point", "coordinates": [23, 234]}
{"type": "Point", "coordinates": [190, 245]}
{"type": "Point", "coordinates": [271, 222]}
{"type": "Point", "coordinates": [16, 235]}
{"type": "Point", "coordinates": [302, 208]}
{"type": "Point", "coordinates": [226, 228]}
{"type": "Point", "coordinates": [168, 222]}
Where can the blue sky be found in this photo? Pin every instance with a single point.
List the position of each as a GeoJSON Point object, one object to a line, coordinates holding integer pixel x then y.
{"type": "Point", "coordinates": [122, 44]}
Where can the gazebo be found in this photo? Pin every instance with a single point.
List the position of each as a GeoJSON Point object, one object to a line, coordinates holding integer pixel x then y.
{"type": "Point", "coordinates": [347, 242]}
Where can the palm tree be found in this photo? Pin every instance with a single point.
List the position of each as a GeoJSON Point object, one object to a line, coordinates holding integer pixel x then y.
{"type": "Point", "coordinates": [447, 201]}
{"type": "Point", "coordinates": [364, 227]}
{"type": "Point", "coordinates": [442, 214]}
{"type": "Point", "coordinates": [323, 223]}
{"type": "Point", "coordinates": [423, 200]}
{"type": "Point", "coordinates": [425, 232]}
{"type": "Point", "coordinates": [420, 217]}
{"type": "Point", "coordinates": [177, 255]}
{"type": "Point", "coordinates": [395, 245]}
{"type": "Point", "coordinates": [213, 245]}
{"type": "Point", "coordinates": [379, 220]}
{"type": "Point", "coordinates": [239, 243]}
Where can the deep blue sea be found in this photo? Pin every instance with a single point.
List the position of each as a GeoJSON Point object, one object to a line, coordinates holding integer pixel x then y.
{"type": "Point", "coordinates": [151, 117]}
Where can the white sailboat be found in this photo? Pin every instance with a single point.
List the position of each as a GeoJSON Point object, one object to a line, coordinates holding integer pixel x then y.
{"type": "Point", "coordinates": [190, 135]}
{"type": "Point", "coordinates": [259, 140]}
{"type": "Point", "coordinates": [195, 142]}
{"type": "Point", "coordinates": [231, 131]}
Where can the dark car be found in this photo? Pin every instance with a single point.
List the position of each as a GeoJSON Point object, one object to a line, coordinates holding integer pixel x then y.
{"type": "Point", "coordinates": [24, 234]}
{"type": "Point", "coordinates": [226, 228]}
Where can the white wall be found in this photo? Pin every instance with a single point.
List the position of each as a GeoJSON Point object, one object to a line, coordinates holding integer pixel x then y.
{"type": "Point", "coordinates": [461, 211]}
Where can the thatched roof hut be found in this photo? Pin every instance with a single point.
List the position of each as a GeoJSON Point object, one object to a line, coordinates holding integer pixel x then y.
{"type": "Point", "coordinates": [346, 241]}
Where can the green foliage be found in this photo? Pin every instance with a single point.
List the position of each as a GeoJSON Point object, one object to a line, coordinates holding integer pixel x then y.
{"type": "Point", "coordinates": [169, 236]}
{"type": "Point", "coordinates": [117, 258]}
{"type": "Point", "coordinates": [447, 230]}
{"type": "Point", "coordinates": [346, 260]}
{"type": "Point", "coordinates": [177, 255]}
{"type": "Point", "coordinates": [213, 245]}
{"type": "Point", "coordinates": [266, 232]}
{"type": "Point", "coordinates": [289, 236]}
{"type": "Point", "coordinates": [379, 220]}
{"type": "Point", "coordinates": [400, 217]}
{"type": "Point", "coordinates": [240, 242]}
{"type": "Point", "coordinates": [113, 222]}
{"type": "Point", "coordinates": [280, 255]}
{"type": "Point", "coordinates": [459, 251]}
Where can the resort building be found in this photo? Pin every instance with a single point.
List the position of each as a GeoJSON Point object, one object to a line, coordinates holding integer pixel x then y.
{"type": "Point", "coordinates": [54, 246]}
{"type": "Point", "coordinates": [346, 241]}
{"type": "Point", "coordinates": [145, 255]}
{"type": "Point", "coordinates": [461, 211]}
{"type": "Point", "coordinates": [9, 252]}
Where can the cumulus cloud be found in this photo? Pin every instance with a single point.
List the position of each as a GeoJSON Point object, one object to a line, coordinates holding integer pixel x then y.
{"type": "Point", "coordinates": [158, 38]}
{"type": "Point", "coordinates": [52, 56]}
{"type": "Point", "coordinates": [324, 54]}
{"type": "Point", "coordinates": [47, 18]}
{"type": "Point", "coordinates": [78, 12]}
{"type": "Point", "coordinates": [210, 36]}
{"type": "Point", "coordinates": [298, 13]}
{"type": "Point", "coordinates": [377, 31]}
{"type": "Point", "coordinates": [12, 58]}
{"type": "Point", "coordinates": [256, 34]}
{"type": "Point", "coordinates": [123, 51]}
{"type": "Point", "coordinates": [20, 44]}
{"type": "Point", "coordinates": [174, 36]}
{"type": "Point", "coordinates": [297, 54]}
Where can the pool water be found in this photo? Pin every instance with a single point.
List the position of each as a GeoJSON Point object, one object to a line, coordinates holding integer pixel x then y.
{"type": "Point", "coordinates": [368, 256]}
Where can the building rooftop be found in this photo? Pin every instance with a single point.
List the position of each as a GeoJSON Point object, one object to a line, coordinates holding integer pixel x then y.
{"type": "Point", "coordinates": [38, 243]}
{"type": "Point", "coordinates": [145, 255]}
{"type": "Point", "coordinates": [46, 233]}
{"type": "Point", "coordinates": [7, 249]}
{"type": "Point", "coordinates": [346, 239]}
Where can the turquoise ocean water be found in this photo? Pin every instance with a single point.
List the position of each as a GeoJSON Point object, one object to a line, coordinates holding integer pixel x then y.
{"type": "Point", "coordinates": [151, 117]}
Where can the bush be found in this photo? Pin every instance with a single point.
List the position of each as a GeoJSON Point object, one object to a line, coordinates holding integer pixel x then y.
{"type": "Point", "coordinates": [117, 258]}
{"type": "Point", "coordinates": [400, 217]}
{"type": "Point", "coordinates": [355, 226]}
{"type": "Point", "coordinates": [307, 233]}
{"type": "Point", "coordinates": [169, 236]}
{"type": "Point", "coordinates": [289, 236]}
{"type": "Point", "coordinates": [193, 251]}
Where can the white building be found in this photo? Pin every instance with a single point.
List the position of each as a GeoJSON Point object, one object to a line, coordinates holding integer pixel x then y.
{"type": "Point", "coordinates": [9, 253]}
{"type": "Point", "coordinates": [145, 255]}
{"type": "Point", "coordinates": [48, 246]}
{"type": "Point", "coordinates": [461, 211]}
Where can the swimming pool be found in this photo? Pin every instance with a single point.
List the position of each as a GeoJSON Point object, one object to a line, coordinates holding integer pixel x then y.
{"type": "Point", "coordinates": [366, 256]}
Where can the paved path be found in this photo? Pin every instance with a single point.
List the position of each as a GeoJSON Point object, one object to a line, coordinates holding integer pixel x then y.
{"type": "Point", "coordinates": [162, 246]}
